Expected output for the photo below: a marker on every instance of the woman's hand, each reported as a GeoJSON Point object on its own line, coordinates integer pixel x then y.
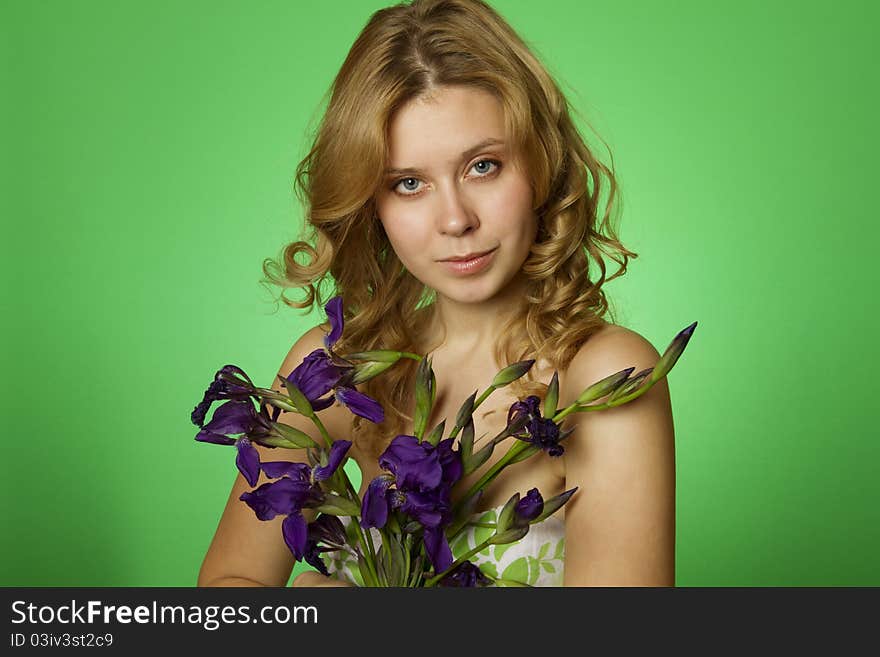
{"type": "Point", "coordinates": [314, 578]}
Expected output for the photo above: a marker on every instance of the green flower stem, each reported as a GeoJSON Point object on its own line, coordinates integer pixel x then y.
{"type": "Point", "coordinates": [479, 400]}
{"type": "Point", "coordinates": [574, 408]}
{"type": "Point", "coordinates": [407, 354]}
{"type": "Point", "coordinates": [492, 472]}
{"type": "Point", "coordinates": [366, 537]}
{"type": "Point", "coordinates": [459, 561]}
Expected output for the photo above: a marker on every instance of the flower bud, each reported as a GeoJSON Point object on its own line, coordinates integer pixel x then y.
{"type": "Point", "coordinates": [506, 516]}
{"type": "Point", "coordinates": [631, 384]}
{"type": "Point", "coordinates": [601, 388]}
{"type": "Point", "coordinates": [424, 396]}
{"type": "Point", "coordinates": [551, 399]}
{"type": "Point", "coordinates": [552, 505]}
{"type": "Point", "coordinates": [511, 373]}
{"type": "Point", "coordinates": [673, 351]}
{"type": "Point", "coordinates": [379, 355]}
{"type": "Point", "coordinates": [367, 370]}
{"type": "Point", "coordinates": [466, 411]}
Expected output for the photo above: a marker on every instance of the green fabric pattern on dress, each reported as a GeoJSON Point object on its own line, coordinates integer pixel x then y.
{"type": "Point", "coordinates": [535, 560]}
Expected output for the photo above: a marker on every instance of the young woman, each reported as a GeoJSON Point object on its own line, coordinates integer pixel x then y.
{"type": "Point", "coordinates": [456, 208]}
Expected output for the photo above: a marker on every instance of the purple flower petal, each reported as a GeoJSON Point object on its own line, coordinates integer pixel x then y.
{"type": "Point", "coordinates": [281, 497]}
{"type": "Point", "coordinates": [415, 465]}
{"type": "Point", "coordinates": [222, 389]}
{"type": "Point", "coordinates": [316, 375]}
{"type": "Point", "coordinates": [295, 530]}
{"type": "Point", "coordinates": [360, 404]}
{"type": "Point", "coordinates": [235, 416]}
{"type": "Point", "coordinates": [297, 471]}
{"type": "Point", "coordinates": [337, 321]}
{"type": "Point", "coordinates": [248, 460]}
{"type": "Point", "coordinates": [374, 508]}
{"type": "Point", "coordinates": [328, 529]}
{"type": "Point", "coordinates": [530, 406]}
{"type": "Point", "coordinates": [216, 438]}
{"type": "Point", "coordinates": [337, 453]}
{"type": "Point", "coordinates": [312, 557]}
{"type": "Point", "coordinates": [530, 506]}
{"type": "Point", "coordinates": [428, 508]}
{"type": "Point", "coordinates": [450, 461]}
{"type": "Point", "coordinates": [438, 549]}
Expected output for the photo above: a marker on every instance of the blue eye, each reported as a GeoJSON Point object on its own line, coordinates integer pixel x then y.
{"type": "Point", "coordinates": [411, 186]}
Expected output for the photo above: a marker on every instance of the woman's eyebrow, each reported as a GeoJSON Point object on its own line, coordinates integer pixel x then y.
{"type": "Point", "coordinates": [473, 150]}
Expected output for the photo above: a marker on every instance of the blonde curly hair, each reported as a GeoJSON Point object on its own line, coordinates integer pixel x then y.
{"type": "Point", "coordinates": [403, 53]}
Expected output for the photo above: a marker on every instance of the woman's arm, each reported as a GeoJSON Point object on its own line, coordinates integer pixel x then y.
{"type": "Point", "coordinates": [620, 525]}
{"type": "Point", "coordinates": [246, 551]}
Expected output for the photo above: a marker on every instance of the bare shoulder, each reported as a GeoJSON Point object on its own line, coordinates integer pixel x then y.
{"type": "Point", "coordinates": [622, 460]}
{"type": "Point", "coordinates": [611, 349]}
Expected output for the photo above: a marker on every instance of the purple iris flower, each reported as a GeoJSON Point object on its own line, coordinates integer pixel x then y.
{"type": "Point", "coordinates": [296, 489]}
{"type": "Point", "coordinates": [466, 574]}
{"type": "Point", "coordinates": [322, 371]}
{"type": "Point", "coordinates": [238, 417]}
{"type": "Point", "coordinates": [417, 482]}
{"type": "Point", "coordinates": [540, 432]}
{"type": "Point", "coordinates": [223, 388]}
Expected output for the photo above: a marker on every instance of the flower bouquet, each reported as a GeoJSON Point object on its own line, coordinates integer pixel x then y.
{"type": "Point", "coordinates": [399, 534]}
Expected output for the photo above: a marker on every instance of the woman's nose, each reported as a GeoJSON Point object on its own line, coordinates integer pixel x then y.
{"type": "Point", "coordinates": [455, 213]}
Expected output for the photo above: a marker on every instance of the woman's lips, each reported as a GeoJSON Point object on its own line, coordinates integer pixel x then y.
{"type": "Point", "coordinates": [472, 266]}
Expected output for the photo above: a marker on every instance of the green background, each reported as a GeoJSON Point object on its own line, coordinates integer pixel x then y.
{"type": "Point", "coordinates": [149, 153]}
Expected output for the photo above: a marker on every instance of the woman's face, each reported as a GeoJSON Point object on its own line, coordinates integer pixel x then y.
{"type": "Point", "coordinates": [453, 188]}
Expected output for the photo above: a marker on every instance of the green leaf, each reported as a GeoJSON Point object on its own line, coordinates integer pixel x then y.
{"type": "Point", "coordinates": [509, 582]}
{"type": "Point", "coordinates": [488, 568]}
{"type": "Point", "coordinates": [526, 452]}
{"type": "Point", "coordinates": [302, 404]}
{"type": "Point", "coordinates": [436, 434]}
{"type": "Point", "coordinates": [466, 442]}
{"type": "Point", "coordinates": [283, 403]}
{"type": "Point", "coordinates": [466, 411]}
{"type": "Point", "coordinates": [552, 397]}
{"type": "Point", "coordinates": [474, 461]}
{"type": "Point", "coordinates": [501, 549]}
{"type": "Point", "coordinates": [424, 379]}
{"type": "Point", "coordinates": [549, 567]}
{"type": "Point", "coordinates": [292, 434]}
{"type": "Point", "coordinates": [505, 517]}
{"type": "Point", "coordinates": [543, 551]}
{"type": "Point", "coordinates": [534, 570]}
{"type": "Point", "coordinates": [482, 533]}
{"type": "Point", "coordinates": [466, 509]}
{"type": "Point", "coordinates": [338, 506]}
{"type": "Point", "coordinates": [517, 571]}
{"type": "Point", "coordinates": [510, 535]}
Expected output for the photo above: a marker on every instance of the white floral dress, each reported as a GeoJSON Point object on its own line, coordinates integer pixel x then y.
{"type": "Point", "coordinates": [537, 559]}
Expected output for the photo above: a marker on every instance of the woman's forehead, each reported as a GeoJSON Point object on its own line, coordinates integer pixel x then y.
{"type": "Point", "coordinates": [445, 125]}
